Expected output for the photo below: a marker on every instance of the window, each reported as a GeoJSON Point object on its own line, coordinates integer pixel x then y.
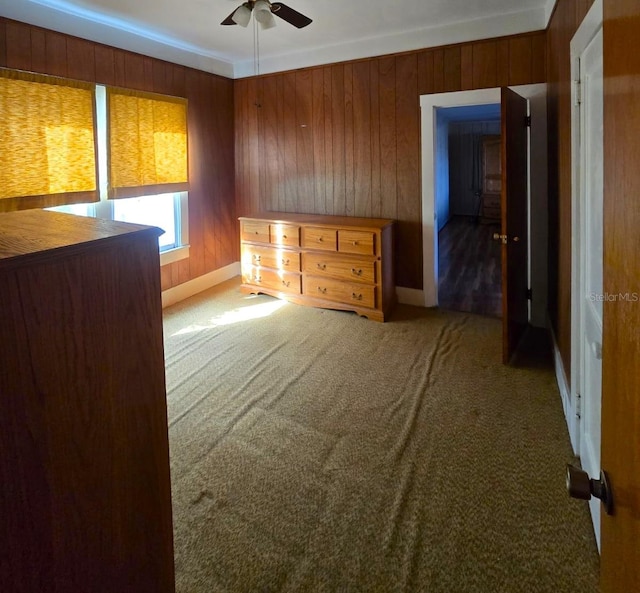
{"type": "Point", "coordinates": [161, 211]}
{"type": "Point", "coordinates": [166, 209]}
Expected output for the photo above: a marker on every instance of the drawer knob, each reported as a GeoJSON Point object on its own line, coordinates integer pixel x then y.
{"type": "Point", "coordinates": [354, 242]}
{"type": "Point", "coordinates": [357, 297]}
{"type": "Point", "coordinates": [284, 236]}
{"type": "Point", "coordinates": [322, 266]}
{"type": "Point", "coordinates": [285, 262]}
{"type": "Point", "coordinates": [356, 272]}
{"type": "Point", "coordinates": [256, 257]}
{"type": "Point", "coordinates": [322, 290]}
{"type": "Point", "coordinates": [258, 278]}
{"type": "Point", "coordinates": [320, 239]}
{"type": "Point", "coordinates": [286, 283]}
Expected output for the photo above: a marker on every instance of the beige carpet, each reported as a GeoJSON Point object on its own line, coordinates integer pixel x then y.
{"type": "Point", "coordinates": [315, 450]}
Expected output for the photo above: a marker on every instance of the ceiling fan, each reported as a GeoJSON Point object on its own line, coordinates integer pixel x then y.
{"type": "Point", "coordinates": [263, 12]}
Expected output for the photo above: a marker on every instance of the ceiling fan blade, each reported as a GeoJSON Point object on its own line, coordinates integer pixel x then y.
{"type": "Point", "coordinates": [294, 17]}
{"type": "Point", "coordinates": [229, 20]}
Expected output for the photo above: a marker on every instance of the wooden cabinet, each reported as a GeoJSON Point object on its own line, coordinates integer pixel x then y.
{"type": "Point", "coordinates": [491, 178]}
{"type": "Point", "coordinates": [336, 262]}
{"type": "Point", "coordinates": [85, 494]}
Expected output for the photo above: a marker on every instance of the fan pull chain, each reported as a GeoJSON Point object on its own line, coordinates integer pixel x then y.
{"type": "Point", "coordinates": [256, 59]}
{"type": "Point", "coordinates": [256, 48]}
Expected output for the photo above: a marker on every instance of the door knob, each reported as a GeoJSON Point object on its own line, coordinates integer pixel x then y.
{"type": "Point", "coordinates": [501, 238]}
{"type": "Point", "coordinates": [504, 238]}
{"type": "Point", "coordinates": [579, 485]}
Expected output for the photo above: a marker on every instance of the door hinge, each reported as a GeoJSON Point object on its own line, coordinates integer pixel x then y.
{"type": "Point", "coordinates": [577, 92]}
{"type": "Point", "coordinates": [529, 294]}
{"type": "Point", "coordinates": [527, 121]}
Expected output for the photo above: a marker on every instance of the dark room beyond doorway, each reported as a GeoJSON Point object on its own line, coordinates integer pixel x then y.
{"type": "Point", "coordinates": [469, 182]}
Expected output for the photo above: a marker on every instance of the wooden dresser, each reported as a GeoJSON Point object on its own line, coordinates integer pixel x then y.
{"type": "Point", "coordinates": [85, 498]}
{"type": "Point", "coordinates": [334, 262]}
{"type": "Point", "coordinates": [491, 178]}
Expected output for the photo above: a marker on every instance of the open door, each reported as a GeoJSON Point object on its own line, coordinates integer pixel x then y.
{"type": "Point", "coordinates": [618, 485]}
{"type": "Point", "coordinates": [620, 562]}
{"type": "Point", "coordinates": [587, 254]}
{"type": "Point", "coordinates": [514, 221]}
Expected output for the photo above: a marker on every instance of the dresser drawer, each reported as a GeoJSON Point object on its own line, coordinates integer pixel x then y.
{"type": "Point", "coordinates": [285, 234]}
{"type": "Point", "coordinates": [343, 268]}
{"type": "Point", "coordinates": [319, 238]}
{"type": "Point", "coordinates": [491, 212]}
{"type": "Point", "coordinates": [270, 257]}
{"type": "Point", "coordinates": [255, 231]}
{"type": "Point", "coordinates": [361, 295]}
{"type": "Point", "coordinates": [288, 282]}
{"type": "Point", "coordinates": [362, 242]}
{"type": "Point", "coordinates": [491, 200]}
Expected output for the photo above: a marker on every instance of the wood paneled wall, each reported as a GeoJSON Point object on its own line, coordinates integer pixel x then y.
{"type": "Point", "coordinates": [345, 138]}
{"type": "Point", "coordinates": [213, 233]}
{"type": "Point", "coordinates": [564, 23]}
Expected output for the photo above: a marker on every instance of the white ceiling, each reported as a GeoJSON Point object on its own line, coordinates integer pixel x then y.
{"type": "Point", "coordinates": [188, 31]}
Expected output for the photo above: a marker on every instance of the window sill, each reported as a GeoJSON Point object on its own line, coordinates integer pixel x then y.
{"type": "Point", "coordinates": [173, 255]}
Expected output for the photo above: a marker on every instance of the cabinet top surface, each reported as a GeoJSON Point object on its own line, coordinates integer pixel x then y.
{"type": "Point", "coordinates": [32, 232]}
{"type": "Point", "coordinates": [320, 219]}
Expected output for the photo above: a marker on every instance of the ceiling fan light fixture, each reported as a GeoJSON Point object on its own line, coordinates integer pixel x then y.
{"type": "Point", "coordinates": [267, 22]}
{"type": "Point", "coordinates": [262, 11]}
{"type": "Point", "coordinates": [242, 15]}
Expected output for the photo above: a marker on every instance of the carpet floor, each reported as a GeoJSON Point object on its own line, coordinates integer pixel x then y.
{"type": "Point", "coordinates": [314, 450]}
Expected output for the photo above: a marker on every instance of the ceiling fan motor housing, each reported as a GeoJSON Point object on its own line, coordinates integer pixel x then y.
{"type": "Point", "coordinates": [263, 11]}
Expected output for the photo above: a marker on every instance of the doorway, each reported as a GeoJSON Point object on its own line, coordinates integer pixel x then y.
{"type": "Point", "coordinates": [468, 185]}
{"type": "Point", "coordinates": [537, 207]}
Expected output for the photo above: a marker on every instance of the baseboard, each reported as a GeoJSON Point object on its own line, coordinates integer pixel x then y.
{"type": "Point", "coordinates": [565, 393]}
{"type": "Point", "coordinates": [410, 296]}
{"type": "Point", "coordinates": [183, 291]}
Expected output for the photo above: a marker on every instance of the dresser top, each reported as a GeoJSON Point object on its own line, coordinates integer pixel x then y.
{"type": "Point", "coordinates": [321, 219]}
{"type": "Point", "coordinates": [30, 234]}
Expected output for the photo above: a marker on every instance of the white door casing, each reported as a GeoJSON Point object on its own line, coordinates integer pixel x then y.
{"type": "Point", "coordinates": [536, 94]}
{"type": "Point", "coordinates": [429, 104]}
{"type": "Point", "coordinates": [587, 246]}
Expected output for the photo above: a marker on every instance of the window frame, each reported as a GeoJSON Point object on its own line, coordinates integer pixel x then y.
{"type": "Point", "coordinates": [104, 208]}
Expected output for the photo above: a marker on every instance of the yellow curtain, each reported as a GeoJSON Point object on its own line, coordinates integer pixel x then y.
{"type": "Point", "coordinates": [47, 141]}
{"type": "Point", "coordinates": [147, 140]}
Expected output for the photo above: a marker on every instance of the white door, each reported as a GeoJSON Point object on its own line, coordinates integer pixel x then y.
{"type": "Point", "coordinates": [591, 296]}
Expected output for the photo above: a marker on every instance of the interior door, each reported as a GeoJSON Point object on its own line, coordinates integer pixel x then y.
{"type": "Point", "coordinates": [514, 221]}
{"type": "Point", "coordinates": [590, 287]}
{"type": "Point", "coordinates": [620, 561]}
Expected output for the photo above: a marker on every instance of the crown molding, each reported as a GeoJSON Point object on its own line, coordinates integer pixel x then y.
{"type": "Point", "coordinates": [63, 17]}
{"type": "Point", "coordinates": [548, 11]}
{"type": "Point", "coordinates": [473, 30]}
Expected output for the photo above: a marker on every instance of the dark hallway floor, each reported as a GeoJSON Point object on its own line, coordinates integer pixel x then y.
{"type": "Point", "coordinates": [469, 267]}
